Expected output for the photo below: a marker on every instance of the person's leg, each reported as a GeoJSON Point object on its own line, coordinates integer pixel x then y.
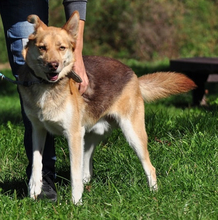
{"type": "Point", "coordinates": [14, 14]}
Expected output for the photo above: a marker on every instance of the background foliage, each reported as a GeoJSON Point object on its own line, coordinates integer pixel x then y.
{"type": "Point", "coordinates": [145, 30]}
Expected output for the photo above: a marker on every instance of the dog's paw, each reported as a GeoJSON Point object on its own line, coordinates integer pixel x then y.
{"type": "Point", "coordinates": [77, 194]}
{"type": "Point", "coordinates": [77, 199]}
{"type": "Point", "coordinates": [87, 178]}
{"type": "Point", "coordinates": [154, 188]}
{"type": "Point", "coordinates": [35, 188]}
{"type": "Point", "coordinates": [78, 203]}
{"type": "Point", "coordinates": [152, 182]}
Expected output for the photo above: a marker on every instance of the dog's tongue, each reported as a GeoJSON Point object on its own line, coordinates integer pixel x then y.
{"type": "Point", "coordinates": [52, 77]}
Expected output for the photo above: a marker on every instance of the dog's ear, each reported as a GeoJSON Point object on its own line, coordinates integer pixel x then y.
{"type": "Point", "coordinates": [38, 25]}
{"type": "Point", "coordinates": [72, 25]}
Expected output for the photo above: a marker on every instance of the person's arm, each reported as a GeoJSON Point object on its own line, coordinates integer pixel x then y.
{"type": "Point", "coordinates": [70, 6]}
{"type": "Point", "coordinates": [79, 67]}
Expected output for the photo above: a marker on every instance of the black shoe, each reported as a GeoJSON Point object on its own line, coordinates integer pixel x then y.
{"type": "Point", "coordinates": [48, 189]}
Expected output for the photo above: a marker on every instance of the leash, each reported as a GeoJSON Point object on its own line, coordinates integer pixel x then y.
{"type": "Point", "coordinates": [24, 83]}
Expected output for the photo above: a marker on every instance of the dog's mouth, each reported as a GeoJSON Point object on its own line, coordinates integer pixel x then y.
{"type": "Point", "coordinates": [53, 77]}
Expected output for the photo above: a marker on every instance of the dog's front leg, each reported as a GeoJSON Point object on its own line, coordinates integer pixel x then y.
{"type": "Point", "coordinates": [75, 143]}
{"type": "Point", "coordinates": [38, 139]}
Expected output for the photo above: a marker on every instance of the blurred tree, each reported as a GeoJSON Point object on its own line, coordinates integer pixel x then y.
{"type": "Point", "coordinates": [144, 30]}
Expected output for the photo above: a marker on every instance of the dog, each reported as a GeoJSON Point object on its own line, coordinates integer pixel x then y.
{"type": "Point", "coordinates": [115, 97]}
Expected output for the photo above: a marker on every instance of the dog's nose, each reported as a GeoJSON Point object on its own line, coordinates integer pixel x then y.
{"type": "Point", "coordinates": [53, 66]}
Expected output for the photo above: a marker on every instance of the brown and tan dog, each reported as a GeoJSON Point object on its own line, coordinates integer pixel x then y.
{"type": "Point", "coordinates": [114, 97]}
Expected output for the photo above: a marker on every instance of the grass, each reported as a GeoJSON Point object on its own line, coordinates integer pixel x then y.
{"type": "Point", "coordinates": [183, 146]}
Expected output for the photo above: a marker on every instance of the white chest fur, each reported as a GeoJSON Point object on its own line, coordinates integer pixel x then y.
{"type": "Point", "coordinates": [51, 109]}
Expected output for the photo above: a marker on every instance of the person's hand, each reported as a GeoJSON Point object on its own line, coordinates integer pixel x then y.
{"type": "Point", "coordinates": [79, 69]}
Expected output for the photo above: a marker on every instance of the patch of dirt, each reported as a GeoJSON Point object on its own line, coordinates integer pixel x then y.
{"type": "Point", "coordinates": [4, 66]}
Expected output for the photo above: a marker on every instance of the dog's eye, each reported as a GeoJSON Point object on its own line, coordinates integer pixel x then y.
{"type": "Point", "coordinates": [42, 48]}
{"type": "Point", "coordinates": [62, 48]}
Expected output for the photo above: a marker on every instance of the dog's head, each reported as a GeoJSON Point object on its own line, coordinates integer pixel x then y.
{"type": "Point", "coordinates": [49, 52]}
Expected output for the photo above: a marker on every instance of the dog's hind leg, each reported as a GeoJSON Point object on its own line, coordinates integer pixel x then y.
{"type": "Point", "coordinates": [38, 138]}
{"type": "Point", "coordinates": [92, 139]}
{"type": "Point", "coordinates": [90, 144]}
{"type": "Point", "coordinates": [137, 139]}
{"type": "Point", "coordinates": [133, 128]}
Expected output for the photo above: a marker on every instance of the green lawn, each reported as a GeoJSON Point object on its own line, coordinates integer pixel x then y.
{"type": "Point", "coordinates": [183, 146]}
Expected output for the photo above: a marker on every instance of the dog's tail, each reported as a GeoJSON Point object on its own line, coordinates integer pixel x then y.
{"type": "Point", "coordinates": [163, 84]}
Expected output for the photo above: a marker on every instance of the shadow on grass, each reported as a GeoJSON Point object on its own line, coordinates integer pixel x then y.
{"type": "Point", "coordinates": [9, 188]}
{"type": "Point", "coordinates": [18, 186]}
